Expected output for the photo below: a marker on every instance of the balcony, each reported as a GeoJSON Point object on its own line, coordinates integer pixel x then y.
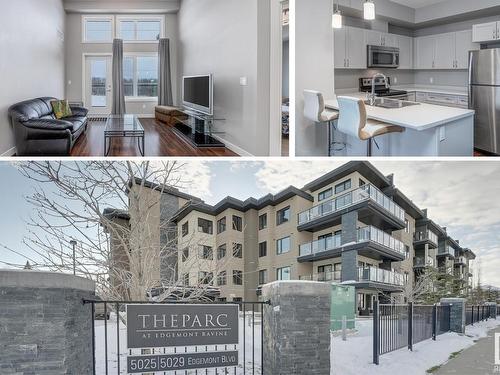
{"type": "Point", "coordinates": [422, 262]}
{"type": "Point", "coordinates": [426, 237]}
{"type": "Point", "coordinates": [319, 246]}
{"type": "Point", "coordinates": [366, 193]}
{"type": "Point", "coordinates": [331, 276]}
{"type": "Point", "coordinates": [446, 251]}
{"type": "Point", "coordinates": [376, 235]}
{"type": "Point", "coordinates": [460, 261]}
{"type": "Point", "coordinates": [377, 275]}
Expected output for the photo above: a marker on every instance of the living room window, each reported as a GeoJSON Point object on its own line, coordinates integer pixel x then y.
{"type": "Point", "coordinates": [98, 29]}
{"type": "Point", "coordinates": [140, 76]}
{"type": "Point", "coordinates": [140, 29]}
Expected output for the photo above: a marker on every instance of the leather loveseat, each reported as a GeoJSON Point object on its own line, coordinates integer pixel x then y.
{"type": "Point", "coordinates": [37, 132]}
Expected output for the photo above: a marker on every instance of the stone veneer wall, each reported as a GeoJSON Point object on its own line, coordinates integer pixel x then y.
{"type": "Point", "coordinates": [297, 328]}
{"type": "Point", "coordinates": [44, 326]}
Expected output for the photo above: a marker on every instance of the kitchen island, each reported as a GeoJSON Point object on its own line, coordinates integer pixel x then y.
{"type": "Point", "coordinates": [430, 130]}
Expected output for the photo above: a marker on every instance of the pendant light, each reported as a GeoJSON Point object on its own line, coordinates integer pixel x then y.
{"type": "Point", "coordinates": [369, 10]}
{"type": "Point", "coordinates": [337, 18]}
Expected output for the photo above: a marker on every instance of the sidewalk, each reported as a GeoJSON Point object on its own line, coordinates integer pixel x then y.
{"type": "Point", "coordinates": [476, 360]}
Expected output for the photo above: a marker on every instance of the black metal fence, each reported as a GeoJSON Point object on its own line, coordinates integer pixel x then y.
{"type": "Point", "coordinates": [399, 326]}
{"type": "Point", "coordinates": [475, 314]}
{"type": "Point", "coordinates": [110, 352]}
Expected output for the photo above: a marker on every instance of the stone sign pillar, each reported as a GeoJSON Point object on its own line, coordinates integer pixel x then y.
{"type": "Point", "coordinates": [297, 328]}
{"type": "Point", "coordinates": [457, 313]}
{"type": "Point", "coordinates": [44, 326]}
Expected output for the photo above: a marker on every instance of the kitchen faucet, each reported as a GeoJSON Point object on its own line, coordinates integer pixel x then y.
{"type": "Point", "coordinates": [374, 78]}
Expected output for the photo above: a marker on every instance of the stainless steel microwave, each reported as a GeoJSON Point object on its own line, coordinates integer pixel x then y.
{"type": "Point", "coordinates": [383, 57]}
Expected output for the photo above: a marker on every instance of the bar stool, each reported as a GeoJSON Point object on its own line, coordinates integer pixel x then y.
{"type": "Point", "coordinates": [353, 121]}
{"type": "Point", "coordinates": [315, 110]}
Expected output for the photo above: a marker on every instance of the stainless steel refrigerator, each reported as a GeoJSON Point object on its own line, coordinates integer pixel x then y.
{"type": "Point", "coordinates": [484, 98]}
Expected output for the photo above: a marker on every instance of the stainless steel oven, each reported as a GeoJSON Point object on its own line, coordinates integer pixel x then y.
{"type": "Point", "coordinates": [383, 57]}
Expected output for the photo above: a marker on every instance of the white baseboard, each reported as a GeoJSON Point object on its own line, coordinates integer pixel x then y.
{"type": "Point", "coordinates": [233, 147]}
{"type": "Point", "coordinates": [9, 152]}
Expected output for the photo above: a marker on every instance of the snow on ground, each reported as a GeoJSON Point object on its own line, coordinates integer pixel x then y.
{"type": "Point", "coordinates": [355, 356]}
{"type": "Point", "coordinates": [113, 360]}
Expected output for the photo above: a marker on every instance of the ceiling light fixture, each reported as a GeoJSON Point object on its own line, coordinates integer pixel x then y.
{"type": "Point", "coordinates": [337, 17]}
{"type": "Point", "coordinates": [369, 10]}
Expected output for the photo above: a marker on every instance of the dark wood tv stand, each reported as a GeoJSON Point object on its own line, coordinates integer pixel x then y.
{"type": "Point", "coordinates": [197, 128]}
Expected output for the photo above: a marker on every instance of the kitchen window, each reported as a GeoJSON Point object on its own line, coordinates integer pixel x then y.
{"type": "Point", "coordinates": [98, 29]}
{"type": "Point", "coordinates": [283, 215]}
{"type": "Point", "coordinates": [283, 273]}
{"type": "Point", "coordinates": [283, 245]}
{"type": "Point", "coordinates": [205, 226]}
{"type": "Point", "coordinates": [262, 277]}
{"type": "Point", "coordinates": [221, 252]}
{"type": "Point", "coordinates": [238, 250]}
{"type": "Point", "coordinates": [237, 223]}
{"type": "Point", "coordinates": [221, 225]}
{"type": "Point", "coordinates": [237, 277]}
{"type": "Point", "coordinates": [262, 249]}
{"type": "Point", "coordinates": [325, 195]}
{"type": "Point", "coordinates": [143, 29]}
{"type": "Point", "coordinates": [140, 76]}
{"type": "Point", "coordinates": [343, 186]}
{"type": "Point", "coordinates": [262, 221]}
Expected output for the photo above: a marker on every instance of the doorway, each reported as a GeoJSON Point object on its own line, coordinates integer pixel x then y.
{"type": "Point", "coordinates": [97, 85]}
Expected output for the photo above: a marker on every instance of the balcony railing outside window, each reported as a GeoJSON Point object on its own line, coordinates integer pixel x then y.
{"type": "Point", "coordinates": [380, 276]}
{"type": "Point", "coordinates": [319, 246]}
{"type": "Point", "coordinates": [370, 233]}
{"type": "Point", "coordinates": [427, 235]}
{"type": "Point", "coordinates": [366, 192]}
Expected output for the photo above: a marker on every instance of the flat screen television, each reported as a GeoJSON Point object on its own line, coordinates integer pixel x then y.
{"type": "Point", "coordinates": [198, 93]}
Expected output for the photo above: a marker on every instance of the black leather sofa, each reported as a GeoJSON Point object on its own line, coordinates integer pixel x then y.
{"type": "Point", "coordinates": [37, 131]}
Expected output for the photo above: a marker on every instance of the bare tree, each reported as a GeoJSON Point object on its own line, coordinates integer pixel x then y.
{"type": "Point", "coordinates": [113, 214]}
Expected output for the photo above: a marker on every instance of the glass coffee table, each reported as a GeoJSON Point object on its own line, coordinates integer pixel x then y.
{"type": "Point", "coordinates": [123, 126]}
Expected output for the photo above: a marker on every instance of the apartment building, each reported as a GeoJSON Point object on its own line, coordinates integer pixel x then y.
{"type": "Point", "coordinates": [351, 225]}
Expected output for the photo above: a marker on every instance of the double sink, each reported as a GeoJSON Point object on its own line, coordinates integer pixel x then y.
{"type": "Point", "coordinates": [390, 103]}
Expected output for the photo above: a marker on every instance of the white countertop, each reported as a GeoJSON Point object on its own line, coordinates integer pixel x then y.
{"type": "Point", "coordinates": [418, 117]}
{"type": "Point", "coordinates": [447, 90]}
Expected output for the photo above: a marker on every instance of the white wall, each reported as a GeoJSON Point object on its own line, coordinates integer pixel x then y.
{"type": "Point", "coordinates": [313, 70]}
{"type": "Point", "coordinates": [229, 38]}
{"type": "Point", "coordinates": [32, 56]}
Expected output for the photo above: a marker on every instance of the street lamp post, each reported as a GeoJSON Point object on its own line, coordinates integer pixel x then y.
{"type": "Point", "coordinates": [73, 243]}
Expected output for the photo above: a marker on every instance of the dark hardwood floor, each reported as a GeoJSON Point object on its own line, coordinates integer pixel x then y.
{"type": "Point", "coordinates": [161, 140]}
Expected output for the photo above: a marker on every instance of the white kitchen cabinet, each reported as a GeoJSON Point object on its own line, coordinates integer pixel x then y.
{"type": "Point", "coordinates": [444, 51]}
{"type": "Point", "coordinates": [405, 52]}
{"type": "Point", "coordinates": [377, 38]}
{"type": "Point", "coordinates": [349, 48]}
{"type": "Point", "coordinates": [461, 101]}
{"type": "Point", "coordinates": [463, 45]}
{"type": "Point", "coordinates": [486, 32]}
{"type": "Point", "coordinates": [390, 40]}
{"type": "Point", "coordinates": [424, 52]}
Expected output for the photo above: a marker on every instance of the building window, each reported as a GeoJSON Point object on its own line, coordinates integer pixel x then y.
{"type": "Point", "coordinates": [206, 252]}
{"type": "Point", "coordinates": [406, 277]}
{"type": "Point", "coordinates": [205, 226]}
{"type": "Point", "coordinates": [262, 249]}
{"type": "Point", "coordinates": [325, 272]}
{"type": "Point", "coordinates": [262, 221]}
{"type": "Point", "coordinates": [283, 273]}
{"type": "Point", "coordinates": [222, 278]}
{"type": "Point", "coordinates": [237, 299]}
{"type": "Point", "coordinates": [185, 229]}
{"type": "Point", "coordinates": [325, 194]}
{"type": "Point", "coordinates": [407, 252]}
{"type": "Point", "coordinates": [283, 216]}
{"type": "Point", "coordinates": [407, 226]}
{"type": "Point", "coordinates": [343, 186]}
{"type": "Point", "coordinates": [205, 278]}
{"type": "Point", "coordinates": [283, 245]}
{"type": "Point", "coordinates": [221, 252]}
{"type": "Point", "coordinates": [237, 277]}
{"type": "Point", "coordinates": [262, 277]}
{"type": "Point", "coordinates": [361, 182]}
{"type": "Point", "coordinates": [185, 254]}
{"type": "Point", "coordinates": [140, 29]}
{"type": "Point", "coordinates": [140, 76]}
{"type": "Point", "coordinates": [221, 225]}
{"type": "Point", "coordinates": [98, 29]}
{"type": "Point", "coordinates": [337, 272]}
{"type": "Point", "coordinates": [238, 250]}
{"type": "Point", "coordinates": [185, 279]}
{"type": "Point", "coordinates": [221, 299]}
{"type": "Point", "coordinates": [237, 223]}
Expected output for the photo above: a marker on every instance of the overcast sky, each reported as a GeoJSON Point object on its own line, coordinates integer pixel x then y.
{"type": "Point", "coordinates": [460, 195]}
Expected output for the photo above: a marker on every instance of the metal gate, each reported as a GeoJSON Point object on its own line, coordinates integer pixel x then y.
{"type": "Point", "coordinates": [109, 340]}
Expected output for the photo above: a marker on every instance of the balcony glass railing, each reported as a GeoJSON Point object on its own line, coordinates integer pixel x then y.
{"type": "Point", "coordinates": [325, 244]}
{"type": "Point", "coordinates": [331, 276]}
{"type": "Point", "coordinates": [380, 276]}
{"type": "Point", "coordinates": [366, 192]}
{"type": "Point", "coordinates": [423, 262]}
{"type": "Point", "coordinates": [427, 235]}
{"type": "Point", "coordinates": [370, 233]}
{"type": "Point", "coordinates": [461, 260]}
{"type": "Point", "coordinates": [447, 250]}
